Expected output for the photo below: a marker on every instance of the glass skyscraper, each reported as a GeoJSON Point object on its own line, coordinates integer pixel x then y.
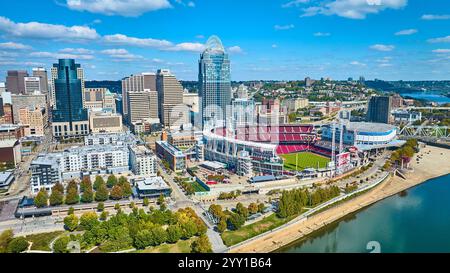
{"type": "Point", "coordinates": [214, 83]}
{"type": "Point", "coordinates": [69, 118]}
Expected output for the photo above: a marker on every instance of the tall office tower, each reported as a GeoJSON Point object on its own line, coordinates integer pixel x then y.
{"type": "Point", "coordinates": [51, 93]}
{"type": "Point", "coordinates": [137, 83]}
{"type": "Point", "coordinates": [69, 117]}
{"type": "Point", "coordinates": [379, 109]}
{"type": "Point", "coordinates": [214, 82]}
{"type": "Point", "coordinates": [32, 84]}
{"type": "Point", "coordinates": [42, 74]}
{"type": "Point", "coordinates": [142, 105]}
{"type": "Point", "coordinates": [170, 95]}
{"type": "Point", "coordinates": [15, 81]}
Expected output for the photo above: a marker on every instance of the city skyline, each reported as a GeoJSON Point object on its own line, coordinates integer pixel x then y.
{"type": "Point", "coordinates": [333, 38]}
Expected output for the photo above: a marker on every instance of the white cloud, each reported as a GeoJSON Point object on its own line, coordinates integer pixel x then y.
{"type": "Point", "coordinates": [190, 47]}
{"type": "Point", "coordinates": [284, 27]}
{"type": "Point", "coordinates": [76, 50]}
{"type": "Point", "coordinates": [357, 63]}
{"type": "Point", "coordinates": [128, 8]}
{"type": "Point", "coordinates": [121, 39]}
{"type": "Point", "coordinates": [235, 49]}
{"type": "Point", "coordinates": [191, 4]}
{"type": "Point", "coordinates": [46, 31]}
{"type": "Point", "coordinates": [353, 9]}
{"type": "Point", "coordinates": [51, 55]}
{"type": "Point", "coordinates": [406, 32]}
{"type": "Point", "coordinates": [442, 50]}
{"type": "Point", "coordinates": [435, 17]}
{"type": "Point", "coordinates": [294, 3]}
{"type": "Point", "coordinates": [12, 45]}
{"type": "Point", "coordinates": [274, 46]}
{"type": "Point", "coordinates": [200, 36]}
{"type": "Point", "coordinates": [120, 53]}
{"type": "Point", "coordinates": [440, 40]}
{"type": "Point", "coordinates": [322, 34]}
{"type": "Point", "coordinates": [380, 47]}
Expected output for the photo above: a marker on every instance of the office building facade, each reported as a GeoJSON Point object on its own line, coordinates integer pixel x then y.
{"type": "Point", "coordinates": [170, 99]}
{"type": "Point", "coordinates": [214, 82]}
{"type": "Point", "coordinates": [379, 109]}
{"type": "Point", "coordinates": [69, 118]}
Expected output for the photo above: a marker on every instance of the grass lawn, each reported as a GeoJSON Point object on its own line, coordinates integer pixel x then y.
{"type": "Point", "coordinates": [42, 241]}
{"type": "Point", "coordinates": [198, 187]}
{"type": "Point", "coordinates": [270, 222]}
{"type": "Point", "coordinates": [305, 160]}
{"type": "Point", "coordinates": [182, 246]}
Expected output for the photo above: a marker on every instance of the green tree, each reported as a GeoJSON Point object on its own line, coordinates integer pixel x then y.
{"type": "Point", "coordinates": [261, 207]}
{"type": "Point", "coordinates": [122, 180]}
{"type": "Point", "coordinates": [112, 181]}
{"type": "Point", "coordinates": [72, 185]}
{"type": "Point", "coordinates": [41, 199]}
{"type": "Point", "coordinates": [104, 215]}
{"type": "Point", "coordinates": [102, 193]}
{"type": "Point", "coordinates": [117, 206]}
{"type": "Point", "coordinates": [5, 237]}
{"type": "Point", "coordinates": [60, 245]}
{"type": "Point", "coordinates": [100, 206]}
{"type": "Point", "coordinates": [126, 188]}
{"type": "Point", "coordinates": [85, 183]}
{"type": "Point", "coordinates": [98, 181]}
{"type": "Point", "coordinates": [88, 195]}
{"type": "Point", "coordinates": [71, 222]}
{"type": "Point", "coordinates": [201, 245]}
{"type": "Point", "coordinates": [241, 210]}
{"type": "Point", "coordinates": [189, 229]}
{"type": "Point", "coordinates": [222, 225]}
{"type": "Point", "coordinates": [58, 187]}
{"type": "Point", "coordinates": [236, 221]}
{"type": "Point", "coordinates": [253, 208]}
{"type": "Point", "coordinates": [72, 196]}
{"type": "Point", "coordinates": [88, 220]}
{"type": "Point", "coordinates": [116, 193]}
{"type": "Point", "coordinates": [174, 233]}
{"type": "Point", "coordinates": [145, 202]}
{"type": "Point", "coordinates": [17, 245]}
{"type": "Point", "coordinates": [57, 196]}
{"type": "Point", "coordinates": [159, 235]}
{"type": "Point", "coordinates": [71, 211]}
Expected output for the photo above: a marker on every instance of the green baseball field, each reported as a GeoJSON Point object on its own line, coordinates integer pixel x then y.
{"type": "Point", "coordinates": [305, 160]}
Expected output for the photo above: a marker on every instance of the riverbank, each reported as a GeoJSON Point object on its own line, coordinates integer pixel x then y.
{"type": "Point", "coordinates": [433, 163]}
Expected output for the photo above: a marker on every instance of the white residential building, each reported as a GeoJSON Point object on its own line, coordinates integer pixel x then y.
{"type": "Point", "coordinates": [143, 161]}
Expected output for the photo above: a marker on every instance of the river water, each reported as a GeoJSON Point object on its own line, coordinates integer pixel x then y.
{"type": "Point", "coordinates": [417, 220]}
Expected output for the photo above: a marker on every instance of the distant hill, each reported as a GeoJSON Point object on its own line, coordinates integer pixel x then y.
{"type": "Point", "coordinates": [113, 86]}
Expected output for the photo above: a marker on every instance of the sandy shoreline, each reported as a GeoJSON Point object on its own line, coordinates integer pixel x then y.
{"type": "Point", "coordinates": [433, 164]}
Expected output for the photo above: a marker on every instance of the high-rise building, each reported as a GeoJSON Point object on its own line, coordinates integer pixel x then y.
{"type": "Point", "coordinates": [2, 87]}
{"type": "Point", "coordinates": [15, 81]}
{"type": "Point", "coordinates": [32, 84]}
{"type": "Point", "coordinates": [137, 83]}
{"type": "Point", "coordinates": [214, 82]}
{"type": "Point", "coordinates": [32, 101]}
{"type": "Point", "coordinates": [42, 74]}
{"type": "Point", "coordinates": [379, 109]}
{"type": "Point", "coordinates": [142, 105]}
{"type": "Point", "coordinates": [69, 117]}
{"type": "Point", "coordinates": [170, 95]}
{"type": "Point", "coordinates": [99, 98]}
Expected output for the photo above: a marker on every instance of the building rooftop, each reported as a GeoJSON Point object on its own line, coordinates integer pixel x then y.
{"type": "Point", "coordinates": [4, 176]}
{"type": "Point", "coordinates": [214, 165]}
{"type": "Point", "coordinates": [8, 143]}
{"type": "Point", "coordinates": [151, 183]}
{"type": "Point", "coordinates": [369, 127]}
{"type": "Point", "coordinates": [172, 149]}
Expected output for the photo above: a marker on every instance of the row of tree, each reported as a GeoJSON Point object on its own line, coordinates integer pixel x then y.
{"type": "Point", "coordinates": [137, 229]}
{"type": "Point", "coordinates": [403, 154]}
{"type": "Point", "coordinates": [229, 195]}
{"type": "Point", "coordinates": [292, 202]}
{"type": "Point", "coordinates": [234, 220]}
{"type": "Point", "coordinates": [114, 189]}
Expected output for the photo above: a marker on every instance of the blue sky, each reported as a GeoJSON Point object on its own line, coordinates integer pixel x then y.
{"type": "Point", "coordinates": [266, 39]}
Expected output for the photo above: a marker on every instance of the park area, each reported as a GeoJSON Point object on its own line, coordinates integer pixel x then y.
{"type": "Point", "coordinates": [305, 160]}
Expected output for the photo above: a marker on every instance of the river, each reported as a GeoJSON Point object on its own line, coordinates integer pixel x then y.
{"type": "Point", "coordinates": [417, 220]}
